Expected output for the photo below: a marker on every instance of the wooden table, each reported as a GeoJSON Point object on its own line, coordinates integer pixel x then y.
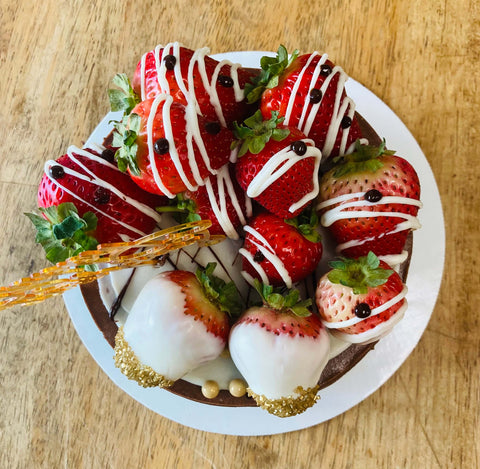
{"type": "Point", "coordinates": [57, 408]}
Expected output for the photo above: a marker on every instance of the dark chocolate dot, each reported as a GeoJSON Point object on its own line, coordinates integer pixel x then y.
{"type": "Point", "coordinates": [362, 310]}
{"type": "Point", "coordinates": [325, 70]}
{"type": "Point", "coordinates": [101, 195]}
{"type": "Point", "coordinates": [373, 195]}
{"type": "Point", "coordinates": [258, 257]}
{"type": "Point", "coordinates": [213, 128]}
{"type": "Point", "coordinates": [315, 95]}
{"type": "Point", "coordinates": [57, 171]}
{"type": "Point", "coordinates": [161, 146]}
{"type": "Point", "coordinates": [225, 81]}
{"type": "Point", "coordinates": [346, 122]}
{"type": "Point", "coordinates": [299, 147]}
{"type": "Point", "coordinates": [170, 61]}
{"type": "Point", "coordinates": [108, 155]}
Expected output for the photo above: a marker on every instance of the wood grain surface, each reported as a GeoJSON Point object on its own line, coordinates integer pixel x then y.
{"type": "Point", "coordinates": [57, 408]}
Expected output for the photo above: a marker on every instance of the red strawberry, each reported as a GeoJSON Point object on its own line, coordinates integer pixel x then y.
{"type": "Point", "coordinates": [221, 200]}
{"type": "Point", "coordinates": [119, 208]}
{"type": "Point", "coordinates": [167, 148]}
{"type": "Point", "coordinates": [167, 335]}
{"type": "Point", "coordinates": [370, 200]}
{"type": "Point", "coordinates": [361, 300]}
{"type": "Point", "coordinates": [309, 91]}
{"type": "Point", "coordinates": [280, 252]}
{"type": "Point", "coordinates": [277, 166]}
{"type": "Point", "coordinates": [280, 348]}
{"type": "Point", "coordinates": [187, 75]}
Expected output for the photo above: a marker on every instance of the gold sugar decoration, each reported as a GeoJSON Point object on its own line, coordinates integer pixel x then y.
{"type": "Point", "coordinates": [57, 279]}
{"type": "Point", "coordinates": [132, 368]}
{"type": "Point", "coordinates": [288, 406]}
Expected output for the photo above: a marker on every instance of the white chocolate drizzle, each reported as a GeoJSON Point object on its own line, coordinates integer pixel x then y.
{"type": "Point", "coordinates": [278, 165]}
{"type": "Point", "coordinates": [93, 178]}
{"type": "Point", "coordinates": [344, 202]}
{"type": "Point", "coordinates": [266, 249]}
{"type": "Point", "coordinates": [198, 58]}
{"type": "Point", "coordinates": [341, 108]}
{"type": "Point", "coordinates": [193, 137]}
{"type": "Point", "coordinates": [218, 202]}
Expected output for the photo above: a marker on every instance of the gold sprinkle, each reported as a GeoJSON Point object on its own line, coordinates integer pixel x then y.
{"type": "Point", "coordinates": [210, 389]}
{"type": "Point", "coordinates": [237, 387]}
{"type": "Point", "coordinates": [288, 406]}
{"type": "Point", "coordinates": [132, 368]}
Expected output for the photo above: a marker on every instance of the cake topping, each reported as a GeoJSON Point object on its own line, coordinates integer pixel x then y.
{"type": "Point", "coordinates": [325, 70]}
{"type": "Point", "coordinates": [346, 122]}
{"type": "Point", "coordinates": [362, 310]}
{"type": "Point", "coordinates": [315, 95]}
{"type": "Point", "coordinates": [161, 146]}
{"type": "Point", "coordinates": [170, 61]}
{"type": "Point", "coordinates": [299, 147]}
{"type": "Point", "coordinates": [373, 195]}
{"type": "Point", "coordinates": [210, 389]}
{"type": "Point", "coordinates": [237, 387]}
{"type": "Point", "coordinates": [57, 171]}
{"type": "Point", "coordinates": [225, 81]}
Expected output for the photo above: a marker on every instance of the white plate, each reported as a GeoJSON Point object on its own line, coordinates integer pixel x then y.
{"type": "Point", "coordinates": [423, 281]}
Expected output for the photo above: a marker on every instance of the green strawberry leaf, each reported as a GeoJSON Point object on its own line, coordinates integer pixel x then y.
{"type": "Point", "coordinates": [62, 232]}
{"type": "Point", "coordinates": [307, 223]}
{"type": "Point", "coordinates": [359, 274]}
{"type": "Point", "coordinates": [224, 295]}
{"type": "Point", "coordinates": [272, 68]}
{"type": "Point", "coordinates": [125, 138]}
{"type": "Point", "coordinates": [122, 96]}
{"type": "Point", "coordinates": [255, 132]}
{"type": "Point", "coordinates": [287, 301]}
{"type": "Point", "coordinates": [365, 159]}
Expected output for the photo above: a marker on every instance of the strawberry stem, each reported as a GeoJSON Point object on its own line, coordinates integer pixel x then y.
{"type": "Point", "coordinates": [272, 68]}
{"type": "Point", "coordinates": [255, 132]}
{"type": "Point", "coordinates": [224, 295]}
{"type": "Point", "coordinates": [359, 274]}
{"type": "Point", "coordinates": [289, 301]}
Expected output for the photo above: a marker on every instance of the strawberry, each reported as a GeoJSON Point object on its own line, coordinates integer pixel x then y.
{"type": "Point", "coordinates": [360, 300]}
{"type": "Point", "coordinates": [167, 148]}
{"type": "Point", "coordinates": [309, 91]}
{"type": "Point", "coordinates": [280, 348]}
{"type": "Point", "coordinates": [369, 201]}
{"type": "Point", "coordinates": [215, 87]}
{"type": "Point", "coordinates": [281, 252]}
{"type": "Point", "coordinates": [221, 200]}
{"type": "Point", "coordinates": [178, 322]}
{"type": "Point", "coordinates": [81, 196]}
{"type": "Point", "coordinates": [277, 166]}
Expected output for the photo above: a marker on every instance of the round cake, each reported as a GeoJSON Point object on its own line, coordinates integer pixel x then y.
{"type": "Point", "coordinates": [311, 216]}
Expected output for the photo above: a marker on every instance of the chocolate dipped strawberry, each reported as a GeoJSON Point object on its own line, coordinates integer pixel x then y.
{"type": "Point", "coordinates": [309, 91]}
{"type": "Point", "coordinates": [215, 88]}
{"type": "Point", "coordinates": [280, 348]}
{"type": "Point", "coordinates": [178, 322]}
{"type": "Point", "coordinates": [360, 300]}
{"type": "Point", "coordinates": [369, 201]}
{"type": "Point", "coordinates": [281, 252]}
{"type": "Point", "coordinates": [86, 200]}
{"type": "Point", "coordinates": [167, 148]}
{"type": "Point", "coordinates": [277, 166]}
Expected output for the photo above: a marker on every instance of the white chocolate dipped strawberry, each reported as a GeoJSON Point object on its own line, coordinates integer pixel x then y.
{"type": "Point", "coordinates": [281, 349]}
{"type": "Point", "coordinates": [178, 322]}
{"type": "Point", "coordinates": [360, 300]}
